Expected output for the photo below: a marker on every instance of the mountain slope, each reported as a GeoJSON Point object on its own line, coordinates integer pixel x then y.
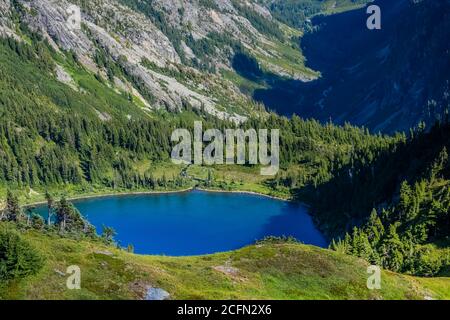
{"type": "Point", "coordinates": [386, 80]}
{"type": "Point", "coordinates": [171, 54]}
{"type": "Point", "coordinates": [166, 54]}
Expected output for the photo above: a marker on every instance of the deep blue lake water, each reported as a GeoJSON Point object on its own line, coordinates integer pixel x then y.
{"type": "Point", "coordinates": [197, 222]}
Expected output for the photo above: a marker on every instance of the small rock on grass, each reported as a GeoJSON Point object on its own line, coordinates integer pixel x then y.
{"type": "Point", "coordinates": [156, 294]}
{"type": "Point", "coordinates": [62, 274]}
{"type": "Point", "coordinates": [105, 253]}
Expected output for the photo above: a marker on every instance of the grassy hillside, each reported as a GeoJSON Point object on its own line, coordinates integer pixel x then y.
{"type": "Point", "coordinates": [264, 271]}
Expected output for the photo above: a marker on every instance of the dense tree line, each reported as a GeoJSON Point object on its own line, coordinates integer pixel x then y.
{"type": "Point", "coordinates": [399, 238]}
{"type": "Point", "coordinates": [371, 180]}
{"type": "Point", "coordinates": [72, 149]}
{"type": "Point", "coordinates": [409, 188]}
{"type": "Point", "coordinates": [312, 153]}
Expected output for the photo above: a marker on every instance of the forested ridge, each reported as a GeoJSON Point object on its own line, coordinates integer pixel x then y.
{"type": "Point", "coordinates": [394, 210]}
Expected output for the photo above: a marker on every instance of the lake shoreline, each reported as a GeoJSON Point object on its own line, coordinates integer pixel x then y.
{"type": "Point", "coordinates": [245, 192]}
{"type": "Point", "coordinates": [114, 194]}
{"type": "Point", "coordinates": [131, 193]}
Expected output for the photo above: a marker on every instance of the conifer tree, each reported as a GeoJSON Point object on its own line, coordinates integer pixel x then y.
{"type": "Point", "coordinates": [13, 211]}
{"type": "Point", "coordinates": [50, 202]}
{"type": "Point", "coordinates": [375, 228]}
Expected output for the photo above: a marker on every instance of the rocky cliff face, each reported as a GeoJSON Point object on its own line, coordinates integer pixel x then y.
{"type": "Point", "coordinates": [5, 19]}
{"type": "Point", "coordinates": [130, 32]}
